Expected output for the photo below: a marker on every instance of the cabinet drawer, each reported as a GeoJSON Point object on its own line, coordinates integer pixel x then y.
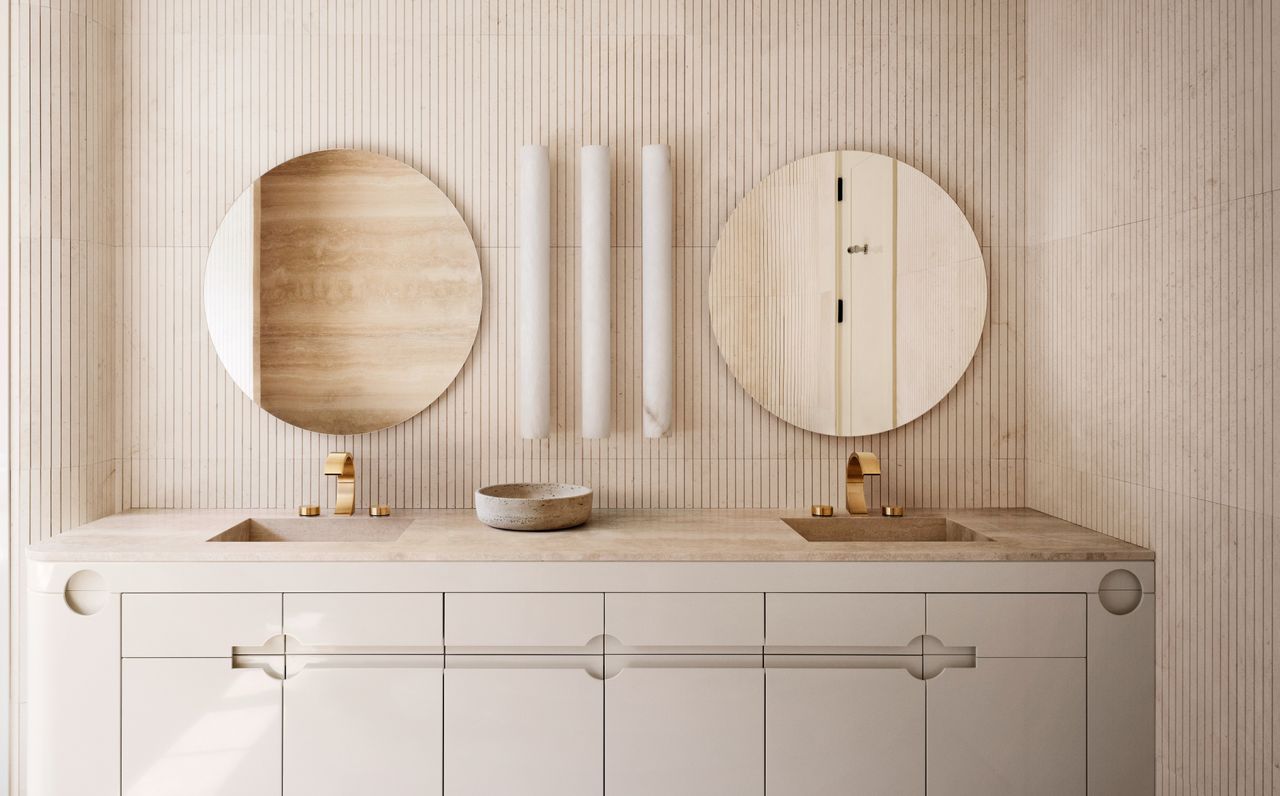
{"type": "Point", "coordinates": [843, 623]}
{"type": "Point", "coordinates": [656, 623]}
{"type": "Point", "coordinates": [523, 623]}
{"type": "Point", "coordinates": [1010, 625]}
{"type": "Point", "coordinates": [199, 625]}
{"type": "Point", "coordinates": [364, 623]}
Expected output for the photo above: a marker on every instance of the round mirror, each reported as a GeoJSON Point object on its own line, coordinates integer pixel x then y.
{"type": "Point", "coordinates": [848, 293]}
{"type": "Point", "coordinates": [343, 291]}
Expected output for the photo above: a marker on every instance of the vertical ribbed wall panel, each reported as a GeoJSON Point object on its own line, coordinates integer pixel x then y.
{"type": "Point", "coordinates": [214, 93]}
{"type": "Point", "coordinates": [1153, 344]}
{"type": "Point", "coordinates": [64, 346]}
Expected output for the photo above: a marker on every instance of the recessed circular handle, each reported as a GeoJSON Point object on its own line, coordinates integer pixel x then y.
{"type": "Point", "coordinates": [1120, 592]}
{"type": "Point", "coordinates": [86, 592]}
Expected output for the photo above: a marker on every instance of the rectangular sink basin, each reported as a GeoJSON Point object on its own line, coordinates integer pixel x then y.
{"type": "Point", "coordinates": [881, 529]}
{"type": "Point", "coordinates": [316, 529]}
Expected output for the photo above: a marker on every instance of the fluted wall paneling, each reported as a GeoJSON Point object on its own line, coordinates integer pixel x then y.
{"type": "Point", "coordinates": [215, 93]}
{"type": "Point", "coordinates": [1153, 344]}
{"type": "Point", "coordinates": [64, 231]}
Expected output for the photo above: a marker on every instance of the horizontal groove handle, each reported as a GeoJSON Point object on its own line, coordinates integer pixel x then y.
{"type": "Point", "coordinates": [935, 665]}
{"type": "Point", "coordinates": [297, 664]}
{"type": "Point", "coordinates": [617, 664]}
{"type": "Point", "coordinates": [591, 664]}
{"type": "Point", "coordinates": [591, 646]}
{"type": "Point", "coordinates": [274, 645]}
{"type": "Point", "coordinates": [363, 649]}
{"type": "Point", "coordinates": [268, 664]}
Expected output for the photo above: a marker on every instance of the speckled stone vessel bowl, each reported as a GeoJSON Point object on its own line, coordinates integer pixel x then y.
{"type": "Point", "coordinates": [533, 507]}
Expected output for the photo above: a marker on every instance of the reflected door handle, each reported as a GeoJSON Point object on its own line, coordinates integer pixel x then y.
{"type": "Point", "coordinates": [839, 310]}
{"type": "Point", "coordinates": [863, 249]}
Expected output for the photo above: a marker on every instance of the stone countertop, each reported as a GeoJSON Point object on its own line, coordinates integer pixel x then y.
{"type": "Point", "coordinates": [611, 535]}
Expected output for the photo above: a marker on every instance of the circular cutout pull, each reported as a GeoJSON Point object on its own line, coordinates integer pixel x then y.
{"type": "Point", "coordinates": [1120, 592]}
{"type": "Point", "coordinates": [85, 592]}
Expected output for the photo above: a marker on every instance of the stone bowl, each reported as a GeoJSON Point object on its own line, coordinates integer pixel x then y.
{"type": "Point", "coordinates": [533, 507]}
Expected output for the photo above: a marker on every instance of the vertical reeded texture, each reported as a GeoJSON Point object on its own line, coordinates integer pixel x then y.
{"type": "Point", "coordinates": [64, 263]}
{"type": "Point", "coordinates": [533, 349]}
{"type": "Point", "coordinates": [595, 296]}
{"type": "Point", "coordinates": [1154, 343]}
{"type": "Point", "coordinates": [207, 95]}
{"type": "Point", "coordinates": [656, 281]}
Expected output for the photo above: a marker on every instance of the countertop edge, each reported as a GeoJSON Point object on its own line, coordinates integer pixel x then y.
{"type": "Point", "coordinates": [658, 536]}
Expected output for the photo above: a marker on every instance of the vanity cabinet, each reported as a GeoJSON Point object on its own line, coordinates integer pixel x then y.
{"type": "Point", "coordinates": [581, 693]}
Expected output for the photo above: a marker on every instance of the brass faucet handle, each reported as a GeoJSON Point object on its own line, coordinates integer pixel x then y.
{"type": "Point", "coordinates": [340, 464]}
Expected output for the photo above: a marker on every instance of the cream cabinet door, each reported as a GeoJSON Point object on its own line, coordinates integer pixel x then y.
{"type": "Point", "coordinates": [529, 725]}
{"type": "Point", "coordinates": [841, 725]}
{"type": "Point", "coordinates": [363, 724]}
{"type": "Point", "coordinates": [689, 724]}
{"type": "Point", "coordinates": [1008, 725]}
{"type": "Point", "coordinates": [200, 726]}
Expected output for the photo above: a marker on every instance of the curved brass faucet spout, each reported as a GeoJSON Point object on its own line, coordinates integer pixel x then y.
{"type": "Point", "coordinates": [343, 466]}
{"type": "Point", "coordinates": [861, 464]}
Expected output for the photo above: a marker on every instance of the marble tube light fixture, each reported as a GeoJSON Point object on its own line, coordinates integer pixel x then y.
{"type": "Point", "coordinates": [656, 315]}
{"type": "Point", "coordinates": [595, 279]}
{"type": "Point", "coordinates": [533, 294]}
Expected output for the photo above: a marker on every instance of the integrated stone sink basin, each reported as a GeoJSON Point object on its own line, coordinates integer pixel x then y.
{"type": "Point", "coordinates": [881, 529]}
{"type": "Point", "coordinates": [316, 529]}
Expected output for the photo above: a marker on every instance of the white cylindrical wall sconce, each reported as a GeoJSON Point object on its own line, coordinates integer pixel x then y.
{"type": "Point", "coordinates": [656, 288]}
{"type": "Point", "coordinates": [533, 294]}
{"type": "Point", "coordinates": [596, 335]}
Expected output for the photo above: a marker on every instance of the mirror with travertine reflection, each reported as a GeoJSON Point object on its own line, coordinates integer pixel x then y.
{"type": "Point", "coordinates": [848, 293]}
{"type": "Point", "coordinates": [343, 291]}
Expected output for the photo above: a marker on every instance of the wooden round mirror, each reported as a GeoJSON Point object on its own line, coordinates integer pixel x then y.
{"type": "Point", "coordinates": [848, 293]}
{"type": "Point", "coordinates": [343, 291]}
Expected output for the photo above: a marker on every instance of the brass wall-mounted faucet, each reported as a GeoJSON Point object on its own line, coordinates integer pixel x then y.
{"type": "Point", "coordinates": [343, 466]}
{"type": "Point", "coordinates": [861, 464]}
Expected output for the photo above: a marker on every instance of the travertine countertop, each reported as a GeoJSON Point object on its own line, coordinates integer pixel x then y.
{"type": "Point", "coordinates": [611, 535]}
